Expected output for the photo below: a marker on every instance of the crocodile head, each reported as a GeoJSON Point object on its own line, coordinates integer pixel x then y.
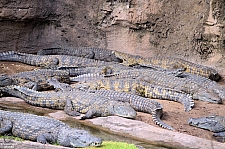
{"type": "Point", "coordinates": [213, 123]}
{"type": "Point", "coordinates": [5, 80]}
{"type": "Point", "coordinates": [72, 137]}
{"type": "Point", "coordinates": [207, 96]}
{"type": "Point", "coordinates": [122, 109]}
{"type": "Point", "coordinates": [127, 59]}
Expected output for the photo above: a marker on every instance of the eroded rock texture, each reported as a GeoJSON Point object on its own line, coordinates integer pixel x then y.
{"type": "Point", "coordinates": [193, 29]}
{"type": "Point", "coordinates": [28, 26]}
{"type": "Point", "coordinates": [158, 27]}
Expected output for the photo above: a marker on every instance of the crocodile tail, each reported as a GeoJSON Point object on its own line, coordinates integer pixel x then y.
{"type": "Point", "coordinates": [49, 51]}
{"type": "Point", "coordinates": [36, 98]}
{"type": "Point", "coordinates": [73, 70]}
{"type": "Point", "coordinates": [156, 115]}
{"type": "Point", "coordinates": [76, 71]}
{"type": "Point", "coordinates": [16, 56]}
{"type": "Point", "coordinates": [10, 90]}
{"type": "Point", "coordinates": [30, 59]}
{"type": "Point", "coordinates": [187, 101]}
{"type": "Point", "coordinates": [18, 91]}
{"type": "Point", "coordinates": [11, 56]}
{"type": "Point", "coordinates": [153, 91]}
{"type": "Point", "coordinates": [87, 77]}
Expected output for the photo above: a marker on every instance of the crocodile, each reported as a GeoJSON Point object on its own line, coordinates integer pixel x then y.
{"type": "Point", "coordinates": [35, 79]}
{"type": "Point", "coordinates": [108, 68]}
{"type": "Point", "coordinates": [169, 63]}
{"type": "Point", "coordinates": [123, 73]}
{"type": "Point", "coordinates": [86, 52]}
{"type": "Point", "coordinates": [138, 103]}
{"type": "Point", "coordinates": [205, 83]}
{"type": "Point", "coordinates": [214, 123]}
{"type": "Point", "coordinates": [73, 103]}
{"type": "Point", "coordinates": [50, 61]}
{"type": "Point", "coordinates": [164, 79]}
{"type": "Point", "coordinates": [87, 77]}
{"type": "Point", "coordinates": [138, 87]}
{"type": "Point", "coordinates": [45, 130]}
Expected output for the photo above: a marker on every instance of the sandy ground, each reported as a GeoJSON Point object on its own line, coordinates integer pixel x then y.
{"type": "Point", "coordinates": [174, 113]}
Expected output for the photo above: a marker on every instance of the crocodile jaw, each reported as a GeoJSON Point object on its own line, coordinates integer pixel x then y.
{"type": "Point", "coordinates": [72, 137]}
{"type": "Point", "coordinates": [207, 97]}
{"type": "Point", "coordinates": [85, 142]}
{"type": "Point", "coordinates": [209, 123]}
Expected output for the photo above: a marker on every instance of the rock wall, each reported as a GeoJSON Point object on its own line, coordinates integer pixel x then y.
{"type": "Point", "coordinates": [28, 25]}
{"type": "Point", "coordinates": [193, 29]}
{"type": "Point", "coordinates": [162, 27]}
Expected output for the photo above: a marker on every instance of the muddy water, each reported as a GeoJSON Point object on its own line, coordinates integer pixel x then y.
{"type": "Point", "coordinates": [105, 135]}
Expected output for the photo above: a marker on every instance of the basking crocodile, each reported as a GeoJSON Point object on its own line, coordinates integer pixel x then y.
{"type": "Point", "coordinates": [138, 87]}
{"type": "Point", "coordinates": [166, 80]}
{"type": "Point", "coordinates": [212, 123]}
{"type": "Point", "coordinates": [73, 102]}
{"type": "Point", "coordinates": [36, 78]}
{"type": "Point", "coordinates": [169, 63]}
{"type": "Point", "coordinates": [86, 52]}
{"type": "Point", "coordinates": [50, 61]}
{"type": "Point", "coordinates": [44, 129]}
{"type": "Point", "coordinates": [114, 71]}
{"type": "Point", "coordinates": [138, 103]}
{"type": "Point", "coordinates": [205, 83]}
{"type": "Point", "coordinates": [108, 68]}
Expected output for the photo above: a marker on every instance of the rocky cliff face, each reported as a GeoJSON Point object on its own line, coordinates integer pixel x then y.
{"type": "Point", "coordinates": [32, 25]}
{"type": "Point", "coordinates": [156, 27]}
{"type": "Point", "coordinates": [193, 29]}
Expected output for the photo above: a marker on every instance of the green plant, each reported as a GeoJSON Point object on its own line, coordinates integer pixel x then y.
{"type": "Point", "coordinates": [10, 138]}
{"type": "Point", "coordinates": [114, 145]}
{"type": "Point", "coordinates": [105, 144]}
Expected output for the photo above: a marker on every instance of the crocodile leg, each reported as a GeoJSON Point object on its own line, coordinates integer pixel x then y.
{"type": "Point", "coordinates": [69, 109]}
{"type": "Point", "coordinates": [90, 114]}
{"type": "Point", "coordinates": [58, 85]}
{"type": "Point", "coordinates": [31, 85]}
{"type": "Point", "coordinates": [45, 138]}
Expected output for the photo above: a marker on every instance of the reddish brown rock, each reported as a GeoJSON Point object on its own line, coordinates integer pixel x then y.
{"type": "Point", "coordinates": [193, 30]}
{"type": "Point", "coordinates": [150, 133]}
